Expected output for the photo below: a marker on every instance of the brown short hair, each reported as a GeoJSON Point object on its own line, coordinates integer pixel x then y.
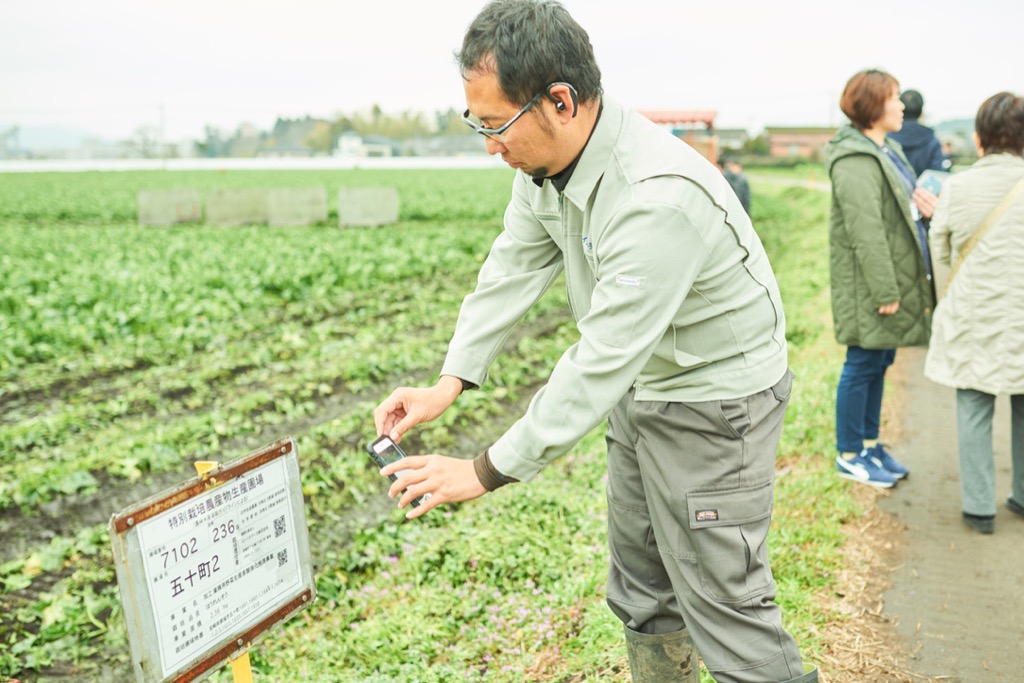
{"type": "Point", "coordinates": [1000, 124]}
{"type": "Point", "coordinates": [864, 97]}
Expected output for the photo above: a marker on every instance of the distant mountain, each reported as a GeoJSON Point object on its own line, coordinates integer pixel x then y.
{"type": "Point", "coordinates": [52, 137]}
{"type": "Point", "coordinates": [958, 127]}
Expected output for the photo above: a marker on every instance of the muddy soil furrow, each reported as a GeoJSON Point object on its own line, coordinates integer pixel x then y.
{"type": "Point", "coordinates": [103, 383]}
{"type": "Point", "coordinates": [329, 533]}
{"type": "Point", "coordinates": [22, 532]}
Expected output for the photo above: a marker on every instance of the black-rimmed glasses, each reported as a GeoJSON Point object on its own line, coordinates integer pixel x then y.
{"type": "Point", "coordinates": [496, 133]}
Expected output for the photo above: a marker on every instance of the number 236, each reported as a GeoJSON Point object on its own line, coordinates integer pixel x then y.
{"type": "Point", "coordinates": [223, 531]}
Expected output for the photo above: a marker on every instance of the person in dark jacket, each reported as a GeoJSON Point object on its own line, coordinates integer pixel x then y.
{"type": "Point", "coordinates": [882, 294]}
{"type": "Point", "coordinates": [923, 149]}
{"type": "Point", "coordinates": [733, 172]}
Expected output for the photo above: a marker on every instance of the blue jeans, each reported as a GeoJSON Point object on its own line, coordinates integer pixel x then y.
{"type": "Point", "coordinates": [859, 396]}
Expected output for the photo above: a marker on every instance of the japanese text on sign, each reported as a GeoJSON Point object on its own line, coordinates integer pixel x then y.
{"type": "Point", "coordinates": [226, 556]}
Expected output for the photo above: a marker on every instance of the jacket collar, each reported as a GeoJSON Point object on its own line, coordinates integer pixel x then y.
{"type": "Point", "coordinates": [561, 179]}
{"type": "Point", "coordinates": [998, 160]}
{"type": "Point", "coordinates": [595, 156]}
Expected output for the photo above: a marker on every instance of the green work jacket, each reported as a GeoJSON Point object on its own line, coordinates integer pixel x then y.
{"type": "Point", "coordinates": [669, 284]}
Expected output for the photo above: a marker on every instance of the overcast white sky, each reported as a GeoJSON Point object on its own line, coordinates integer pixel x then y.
{"type": "Point", "coordinates": [112, 66]}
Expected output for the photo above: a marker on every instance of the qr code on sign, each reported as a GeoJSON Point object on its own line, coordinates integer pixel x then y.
{"type": "Point", "coordinates": [278, 526]}
{"type": "Point", "coordinates": [282, 557]}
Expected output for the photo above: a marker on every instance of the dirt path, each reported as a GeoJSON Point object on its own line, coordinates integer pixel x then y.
{"type": "Point", "coordinates": [957, 597]}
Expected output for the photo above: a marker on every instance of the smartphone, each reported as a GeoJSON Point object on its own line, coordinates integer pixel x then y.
{"type": "Point", "coordinates": [384, 451]}
{"type": "Point", "coordinates": [932, 180]}
{"type": "Point", "coordinates": [932, 184]}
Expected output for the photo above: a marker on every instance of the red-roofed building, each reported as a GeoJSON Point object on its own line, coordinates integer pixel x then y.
{"type": "Point", "coordinates": [696, 127]}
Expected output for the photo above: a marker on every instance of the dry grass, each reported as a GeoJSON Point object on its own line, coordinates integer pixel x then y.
{"type": "Point", "coordinates": [862, 645]}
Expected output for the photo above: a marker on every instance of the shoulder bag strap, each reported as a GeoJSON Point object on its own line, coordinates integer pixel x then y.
{"type": "Point", "coordinates": [989, 221]}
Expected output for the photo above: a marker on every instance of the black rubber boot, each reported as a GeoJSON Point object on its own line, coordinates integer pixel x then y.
{"type": "Point", "coordinates": [662, 657]}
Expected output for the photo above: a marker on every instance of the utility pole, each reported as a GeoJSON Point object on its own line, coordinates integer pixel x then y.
{"type": "Point", "coordinates": [161, 142]}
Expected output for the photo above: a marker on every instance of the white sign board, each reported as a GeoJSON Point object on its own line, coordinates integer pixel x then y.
{"type": "Point", "coordinates": [207, 567]}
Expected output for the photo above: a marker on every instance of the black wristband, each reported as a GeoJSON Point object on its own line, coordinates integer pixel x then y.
{"type": "Point", "coordinates": [488, 474]}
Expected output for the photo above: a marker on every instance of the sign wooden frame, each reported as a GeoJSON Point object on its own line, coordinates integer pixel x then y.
{"type": "Point", "coordinates": [253, 506]}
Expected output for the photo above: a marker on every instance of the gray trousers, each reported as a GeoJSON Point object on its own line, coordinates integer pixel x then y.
{"type": "Point", "coordinates": [690, 494]}
{"type": "Point", "coordinates": [974, 411]}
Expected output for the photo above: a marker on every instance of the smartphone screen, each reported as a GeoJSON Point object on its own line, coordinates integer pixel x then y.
{"type": "Point", "coordinates": [384, 451]}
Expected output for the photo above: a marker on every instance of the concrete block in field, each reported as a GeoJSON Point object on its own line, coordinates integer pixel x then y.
{"type": "Point", "coordinates": [167, 207]}
{"type": "Point", "coordinates": [297, 206]}
{"type": "Point", "coordinates": [366, 206]}
{"type": "Point", "coordinates": [237, 207]}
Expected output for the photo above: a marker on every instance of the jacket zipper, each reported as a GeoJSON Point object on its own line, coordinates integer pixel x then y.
{"type": "Point", "coordinates": [566, 258]}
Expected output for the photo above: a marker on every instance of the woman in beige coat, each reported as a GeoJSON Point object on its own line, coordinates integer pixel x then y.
{"type": "Point", "coordinates": [977, 343]}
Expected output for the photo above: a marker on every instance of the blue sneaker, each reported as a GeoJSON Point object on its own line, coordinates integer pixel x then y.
{"type": "Point", "coordinates": [887, 462]}
{"type": "Point", "coordinates": [866, 470]}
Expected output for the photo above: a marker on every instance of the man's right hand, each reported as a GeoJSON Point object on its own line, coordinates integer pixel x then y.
{"type": "Point", "coordinates": [407, 407]}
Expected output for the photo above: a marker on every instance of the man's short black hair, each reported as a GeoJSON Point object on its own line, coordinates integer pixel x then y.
{"type": "Point", "coordinates": [913, 104]}
{"type": "Point", "coordinates": [530, 44]}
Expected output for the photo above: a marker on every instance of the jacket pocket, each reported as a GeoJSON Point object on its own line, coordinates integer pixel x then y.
{"type": "Point", "coordinates": [619, 299]}
{"type": "Point", "coordinates": [900, 323]}
{"type": "Point", "coordinates": [683, 357]}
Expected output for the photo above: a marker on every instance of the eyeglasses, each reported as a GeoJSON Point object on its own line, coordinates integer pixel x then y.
{"type": "Point", "coordinates": [497, 133]}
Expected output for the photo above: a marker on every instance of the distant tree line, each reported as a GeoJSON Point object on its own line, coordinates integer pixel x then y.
{"type": "Point", "coordinates": [320, 136]}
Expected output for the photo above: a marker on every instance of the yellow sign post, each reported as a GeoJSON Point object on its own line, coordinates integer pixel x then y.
{"type": "Point", "coordinates": [241, 668]}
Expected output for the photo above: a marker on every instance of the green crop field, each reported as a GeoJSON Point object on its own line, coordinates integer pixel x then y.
{"type": "Point", "coordinates": [127, 353]}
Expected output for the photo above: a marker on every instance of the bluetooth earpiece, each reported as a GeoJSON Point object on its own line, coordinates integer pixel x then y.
{"type": "Point", "coordinates": [560, 105]}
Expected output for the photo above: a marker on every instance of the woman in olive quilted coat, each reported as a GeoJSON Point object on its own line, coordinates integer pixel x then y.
{"type": "Point", "coordinates": [882, 294]}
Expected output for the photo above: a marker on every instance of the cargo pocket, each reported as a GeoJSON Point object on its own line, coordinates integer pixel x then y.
{"type": "Point", "coordinates": [729, 531]}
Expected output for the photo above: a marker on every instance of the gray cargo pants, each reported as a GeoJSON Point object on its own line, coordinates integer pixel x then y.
{"type": "Point", "coordinates": [689, 506]}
